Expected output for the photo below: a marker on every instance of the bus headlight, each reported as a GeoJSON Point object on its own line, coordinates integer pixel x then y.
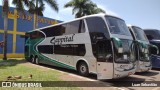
{"type": "Point", "coordinates": [143, 50]}
{"type": "Point", "coordinates": [120, 50]}
{"type": "Point", "coordinates": [146, 50]}
{"type": "Point", "coordinates": [120, 69]}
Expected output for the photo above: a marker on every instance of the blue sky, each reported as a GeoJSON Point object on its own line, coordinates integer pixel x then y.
{"type": "Point", "coordinates": [143, 13]}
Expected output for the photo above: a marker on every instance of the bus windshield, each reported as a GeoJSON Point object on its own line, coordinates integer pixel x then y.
{"type": "Point", "coordinates": [139, 34]}
{"type": "Point", "coordinates": [117, 26]}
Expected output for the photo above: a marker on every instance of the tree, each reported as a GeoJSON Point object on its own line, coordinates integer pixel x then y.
{"type": "Point", "coordinates": [5, 15]}
{"type": "Point", "coordinates": [36, 7]}
{"type": "Point", "coordinates": [83, 7]}
{"type": "Point", "coordinates": [19, 6]}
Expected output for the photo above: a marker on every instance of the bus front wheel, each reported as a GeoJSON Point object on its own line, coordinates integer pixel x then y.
{"type": "Point", "coordinates": [83, 69]}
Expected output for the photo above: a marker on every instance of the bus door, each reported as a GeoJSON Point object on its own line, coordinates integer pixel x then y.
{"type": "Point", "coordinates": [104, 59]}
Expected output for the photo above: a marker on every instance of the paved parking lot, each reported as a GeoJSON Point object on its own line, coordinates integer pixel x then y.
{"type": "Point", "coordinates": [153, 76]}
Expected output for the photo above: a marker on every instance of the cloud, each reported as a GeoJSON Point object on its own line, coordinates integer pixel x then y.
{"type": "Point", "coordinates": [108, 11]}
{"type": "Point", "coordinates": [64, 14]}
{"type": "Point", "coordinates": [10, 3]}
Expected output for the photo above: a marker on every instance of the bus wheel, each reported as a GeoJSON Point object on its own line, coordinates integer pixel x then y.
{"type": "Point", "coordinates": [83, 69]}
{"type": "Point", "coordinates": [32, 59]}
{"type": "Point", "coordinates": [36, 60]}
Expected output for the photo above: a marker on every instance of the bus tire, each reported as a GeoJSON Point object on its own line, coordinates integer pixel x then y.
{"type": "Point", "coordinates": [83, 69]}
{"type": "Point", "coordinates": [32, 59]}
{"type": "Point", "coordinates": [36, 60]}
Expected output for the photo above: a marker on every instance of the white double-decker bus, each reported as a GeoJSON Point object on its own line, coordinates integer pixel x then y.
{"type": "Point", "coordinates": [100, 44]}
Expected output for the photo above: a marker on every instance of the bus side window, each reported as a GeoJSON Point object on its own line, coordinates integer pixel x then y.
{"type": "Point", "coordinates": [104, 51]}
{"type": "Point", "coordinates": [81, 27]}
{"type": "Point", "coordinates": [75, 27]}
{"type": "Point", "coordinates": [63, 29]}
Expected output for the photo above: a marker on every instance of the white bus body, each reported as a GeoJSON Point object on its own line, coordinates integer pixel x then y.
{"type": "Point", "coordinates": [86, 45]}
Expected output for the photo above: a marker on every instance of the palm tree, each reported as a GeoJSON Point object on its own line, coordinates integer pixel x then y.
{"type": "Point", "coordinates": [36, 7]}
{"type": "Point", "coordinates": [19, 6]}
{"type": "Point", "coordinates": [5, 15]}
{"type": "Point", "coordinates": [83, 7]}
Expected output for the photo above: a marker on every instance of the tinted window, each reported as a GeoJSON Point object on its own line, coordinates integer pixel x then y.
{"type": "Point", "coordinates": [54, 31]}
{"type": "Point", "coordinates": [104, 51]}
{"type": "Point", "coordinates": [117, 26]}
{"type": "Point", "coordinates": [75, 27]}
{"type": "Point", "coordinates": [96, 24]}
{"type": "Point", "coordinates": [139, 33]}
{"type": "Point", "coordinates": [152, 33]}
{"type": "Point", "coordinates": [46, 49]}
{"type": "Point", "coordinates": [36, 34]}
{"type": "Point", "coordinates": [82, 27]}
{"type": "Point", "coordinates": [70, 49]}
{"type": "Point", "coordinates": [63, 49]}
{"type": "Point", "coordinates": [65, 29]}
{"type": "Point", "coordinates": [97, 29]}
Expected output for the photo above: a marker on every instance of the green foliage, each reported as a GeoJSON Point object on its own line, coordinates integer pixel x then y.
{"type": "Point", "coordinates": [38, 6]}
{"type": "Point", "coordinates": [20, 4]}
{"type": "Point", "coordinates": [83, 7]}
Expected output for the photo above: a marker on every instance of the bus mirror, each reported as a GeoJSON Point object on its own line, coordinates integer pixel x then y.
{"type": "Point", "coordinates": [154, 49]}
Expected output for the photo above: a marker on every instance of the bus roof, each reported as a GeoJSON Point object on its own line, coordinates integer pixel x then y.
{"type": "Point", "coordinates": [130, 25]}
{"type": "Point", "coordinates": [151, 29]}
{"type": "Point", "coordinates": [94, 15]}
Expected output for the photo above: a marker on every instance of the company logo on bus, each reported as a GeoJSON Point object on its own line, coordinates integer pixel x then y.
{"type": "Point", "coordinates": [59, 41]}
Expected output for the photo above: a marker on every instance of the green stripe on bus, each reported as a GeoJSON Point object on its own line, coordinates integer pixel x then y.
{"type": "Point", "coordinates": [52, 60]}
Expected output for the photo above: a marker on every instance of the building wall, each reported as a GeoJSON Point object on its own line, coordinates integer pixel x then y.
{"type": "Point", "coordinates": [18, 24]}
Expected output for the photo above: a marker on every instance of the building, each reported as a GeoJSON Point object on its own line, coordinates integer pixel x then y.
{"type": "Point", "coordinates": [18, 24]}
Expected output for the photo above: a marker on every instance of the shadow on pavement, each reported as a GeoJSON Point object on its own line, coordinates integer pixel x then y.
{"type": "Point", "coordinates": [149, 73]}
{"type": "Point", "coordinates": [91, 76]}
{"type": "Point", "coordinates": [157, 69]}
{"type": "Point", "coordinates": [122, 82]}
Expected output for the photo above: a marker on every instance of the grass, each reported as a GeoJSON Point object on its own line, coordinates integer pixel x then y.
{"type": "Point", "coordinates": [15, 67]}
